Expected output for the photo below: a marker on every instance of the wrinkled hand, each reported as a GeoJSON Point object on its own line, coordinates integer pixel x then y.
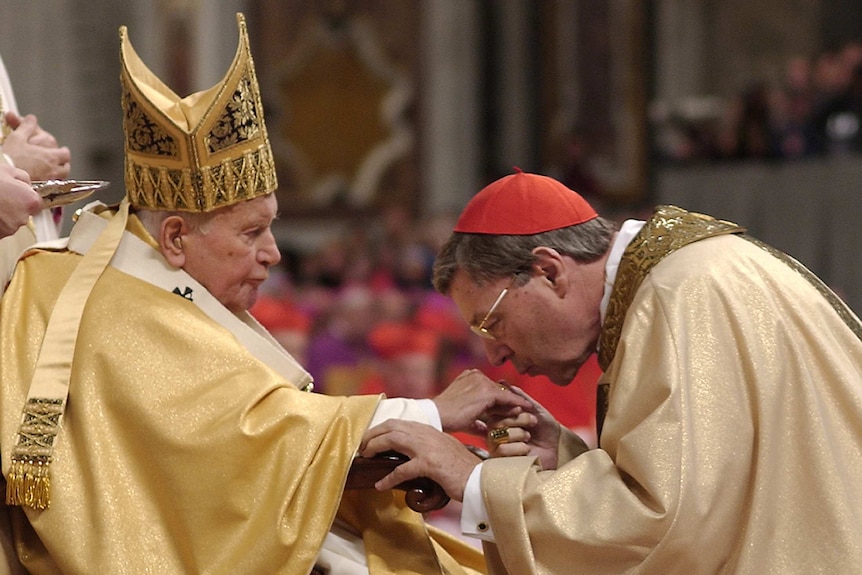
{"type": "Point", "coordinates": [432, 454]}
{"type": "Point", "coordinates": [472, 399]}
{"type": "Point", "coordinates": [18, 201]}
{"type": "Point", "coordinates": [35, 150]}
{"type": "Point", "coordinates": [534, 433]}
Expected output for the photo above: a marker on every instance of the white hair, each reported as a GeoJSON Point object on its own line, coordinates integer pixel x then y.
{"type": "Point", "coordinates": [152, 220]}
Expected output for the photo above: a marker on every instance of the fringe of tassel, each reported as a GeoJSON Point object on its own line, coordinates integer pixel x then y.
{"type": "Point", "coordinates": [28, 484]}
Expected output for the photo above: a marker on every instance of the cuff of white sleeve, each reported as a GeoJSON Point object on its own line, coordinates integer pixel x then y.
{"type": "Point", "coordinates": [421, 410]}
{"type": "Point", "coordinates": [474, 514]}
{"type": "Point", "coordinates": [430, 409]}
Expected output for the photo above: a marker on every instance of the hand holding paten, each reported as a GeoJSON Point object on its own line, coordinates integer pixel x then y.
{"type": "Point", "coordinates": [18, 201]}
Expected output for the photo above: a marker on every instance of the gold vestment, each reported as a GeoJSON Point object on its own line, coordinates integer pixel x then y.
{"type": "Point", "coordinates": [181, 452]}
{"type": "Point", "coordinates": [733, 439]}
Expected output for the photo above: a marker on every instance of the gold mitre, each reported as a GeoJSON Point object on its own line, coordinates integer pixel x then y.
{"type": "Point", "coordinates": [198, 153]}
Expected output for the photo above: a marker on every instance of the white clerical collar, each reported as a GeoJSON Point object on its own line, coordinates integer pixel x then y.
{"type": "Point", "coordinates": [137, 258]}
{"type": "Point", "coordinates": [628, 231]}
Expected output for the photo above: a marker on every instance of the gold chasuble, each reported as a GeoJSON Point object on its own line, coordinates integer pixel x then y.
{"type": "Point", "coordinates": [180, 451]}
{"type": "Point", "coordinates": [733, 438]}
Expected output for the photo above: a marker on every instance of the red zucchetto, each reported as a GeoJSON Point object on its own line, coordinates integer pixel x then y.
{"type": "Point", "coordinates": [524, 204]}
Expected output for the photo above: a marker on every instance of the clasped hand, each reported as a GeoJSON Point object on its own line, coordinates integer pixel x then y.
{"type": "Point", "coordinates": [34, 149]}
{"type": "Point", "coordinates": [534, 432]}
{"type": "Point", "coordinates": [472, 403]}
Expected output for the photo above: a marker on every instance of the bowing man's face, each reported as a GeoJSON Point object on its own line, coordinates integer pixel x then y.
{"type": "Point", "coordinates": [232, 251]}
{"type": "Point", "coordinates": [545, 321]}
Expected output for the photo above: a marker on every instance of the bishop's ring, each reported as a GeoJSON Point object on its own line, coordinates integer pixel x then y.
{"type": "Point", "coordinates": [499, 435]}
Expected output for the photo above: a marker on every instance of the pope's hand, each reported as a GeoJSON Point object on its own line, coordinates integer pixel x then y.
{"type": "Point", "coordinates": [432, 454]}
{"type": "Point", "coordinates": [472, 399]}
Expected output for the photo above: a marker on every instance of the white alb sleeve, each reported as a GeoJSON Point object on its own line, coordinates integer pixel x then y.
{"type": "Point", "coordinates": [419, 410]}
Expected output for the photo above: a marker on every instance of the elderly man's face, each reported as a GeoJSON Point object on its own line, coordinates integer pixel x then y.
{"type": "Point", "coordinates": [233, 251]}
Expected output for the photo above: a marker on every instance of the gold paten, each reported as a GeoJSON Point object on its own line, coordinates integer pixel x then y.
{"type": "Point", "coordinates": [56, 193]}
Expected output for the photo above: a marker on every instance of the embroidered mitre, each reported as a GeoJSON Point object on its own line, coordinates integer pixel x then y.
{"type": "Point", "coordinates": [198, 153]}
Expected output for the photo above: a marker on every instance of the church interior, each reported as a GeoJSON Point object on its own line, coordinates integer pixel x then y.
{"type": "Point", "coordinates": [386, 116]}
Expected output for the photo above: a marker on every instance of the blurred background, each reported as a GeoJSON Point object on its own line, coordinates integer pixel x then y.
{"type": "Point", "coordinates": [386, 116]}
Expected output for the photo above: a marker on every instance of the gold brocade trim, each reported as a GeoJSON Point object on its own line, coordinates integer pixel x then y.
{"type": "Point", "coordinates": [29, 482]}
{"type": "Point", "coordinates": [670, 229]}
{"type": "Point", "coordinates": [231, 181]}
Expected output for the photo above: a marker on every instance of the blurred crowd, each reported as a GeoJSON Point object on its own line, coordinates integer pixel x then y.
{"type": "Point", "coordinates": [814, 110]}
{"type": "Point", "coordinates": [361, 315]}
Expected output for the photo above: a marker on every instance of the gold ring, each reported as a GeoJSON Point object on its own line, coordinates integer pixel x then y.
{"type": "Point", "coordinates": [499, 435]}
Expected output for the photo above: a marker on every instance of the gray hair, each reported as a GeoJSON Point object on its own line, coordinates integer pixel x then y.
{"type": "Point", "coordinates": [152, 220]}
{"type": "Point", "coordinates": [486, 257]}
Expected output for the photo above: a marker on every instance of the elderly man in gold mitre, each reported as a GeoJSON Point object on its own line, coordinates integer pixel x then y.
{"type": "Point", "coordinates": [164, 430]}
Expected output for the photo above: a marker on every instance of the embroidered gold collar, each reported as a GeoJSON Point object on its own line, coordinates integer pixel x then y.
{"type": "Point", "coordinates": [668, 230]}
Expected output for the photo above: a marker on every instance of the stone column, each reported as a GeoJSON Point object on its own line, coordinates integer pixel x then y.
{"type": "Point", "coordinates": [515, 88]}
{"type": "Point", "coordinates": [450, 107]}
{"type": "Point", "coordinates": [212, 53]}
{"type": "Point", "coordinates": [679, 45]}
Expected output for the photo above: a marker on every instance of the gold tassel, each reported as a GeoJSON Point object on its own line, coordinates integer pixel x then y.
{"type": "Point", "coordinates": [29, 483]}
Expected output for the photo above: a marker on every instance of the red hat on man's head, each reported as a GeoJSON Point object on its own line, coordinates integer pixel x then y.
{"type": "Point", "coordinates": [523, 204]}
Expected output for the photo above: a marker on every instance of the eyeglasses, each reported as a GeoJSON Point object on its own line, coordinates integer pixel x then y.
{"type": "Point", "coordinates": [480, 329]}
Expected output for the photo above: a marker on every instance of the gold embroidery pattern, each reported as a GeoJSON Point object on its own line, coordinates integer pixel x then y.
{"type": "Point", "coordinates": [233, 180]}
{"type": "Point", "coordinates": [28, 481]}
{"type": "Point", "coordinates": [243, 178]}
{"type": "Point", "coordinates": [160, 188]}
{"type": "Point", "coordinates": [238, 123]}
{"type": "Point", "coordinates": [667, 231]}
{"type": "Point", "coordinates": [143, 134]}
